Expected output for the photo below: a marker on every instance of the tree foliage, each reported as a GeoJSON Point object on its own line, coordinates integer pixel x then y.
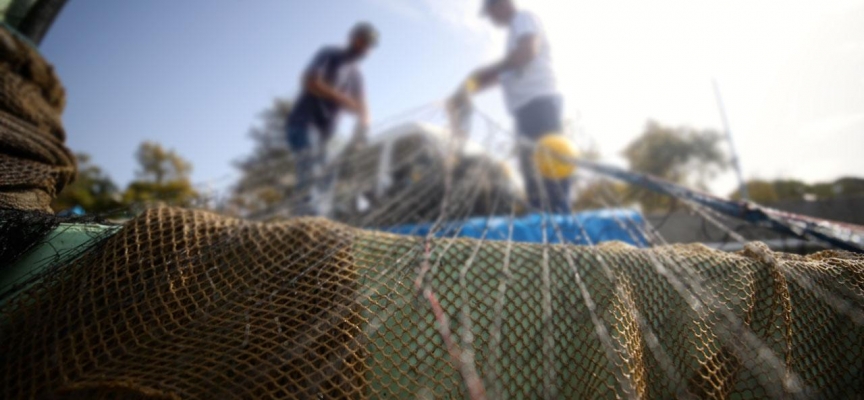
{"type": "Point", "coordinates": [266, 174]}
{"type": "Point", "coordinates": [159, 165]}
{"type": "Point", "coordinates": [767, 192]}
{"type": "Point", "coordinates": [600, 194]}
{"type": "Point", "coordinates": [92, 190]}
{"type": "Point", "coordinates": [681, 155]}
{"type": "Point", "coordinates": [162, 177]}
{"type": "Point", "coordinates": [760, 191]}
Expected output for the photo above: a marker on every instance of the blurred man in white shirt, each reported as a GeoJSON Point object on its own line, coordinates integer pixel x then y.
{"type": "Point", "coordinates": [531, 93]}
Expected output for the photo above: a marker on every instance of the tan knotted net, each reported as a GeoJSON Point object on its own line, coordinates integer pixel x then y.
{"type": "Point", "coordinates": [186, 304]}
{"type": "Point", "coordinates": [35, 164]}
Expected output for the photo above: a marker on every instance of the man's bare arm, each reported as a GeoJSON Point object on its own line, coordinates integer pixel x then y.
{"type": "Point", "coordinates": [362, 112]}
{"type": "Point", "coordinates": [525, 51]}
{"type": "Point", "coordinates": [316, 85]}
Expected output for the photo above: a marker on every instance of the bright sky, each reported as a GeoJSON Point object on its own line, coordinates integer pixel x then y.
{"type": "Point", "coordinates": [194, 75]}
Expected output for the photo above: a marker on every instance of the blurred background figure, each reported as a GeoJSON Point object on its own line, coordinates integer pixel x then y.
{"type": "Point", "coordinates": [530, 91]}
{"type": "Point", "coordinates": [331, 83]}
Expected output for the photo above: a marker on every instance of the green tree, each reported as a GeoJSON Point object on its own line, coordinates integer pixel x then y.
{"type": "Point", "coordinates": [789, 189]}
{"type": "Point", "coordinates": [266, 174]}
{"type": "Point", "coordinates": [162, 177]}
{"type": "Point", "coordinates": [602, 193]}
{"type": "Point", "coordinates": [761, 191]}
{"type": "Point", "coordinates": [767, 192]}
{"type": "Point", "coordinates": [92, 190]}
{"type": "Point", "coordinates": [843, 187]}
{"type": "Point", "coordinates": [682, 155]}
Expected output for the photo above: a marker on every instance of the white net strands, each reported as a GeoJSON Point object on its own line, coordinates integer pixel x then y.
{"type": "Point", "coordinates": [425, 274]}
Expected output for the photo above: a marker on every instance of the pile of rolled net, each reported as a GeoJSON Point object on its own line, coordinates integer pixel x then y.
{"type": "Point", "coordinates": [35, 164]}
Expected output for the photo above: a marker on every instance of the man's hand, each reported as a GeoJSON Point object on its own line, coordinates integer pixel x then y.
{"type": "Point", "coordinates": [361, 130]}
{"type": "Point", "coordinates": [351, 105]}
{"type": "Point", "coordinates": [316, 85]}
{"type": "Point", "coordinates": [459, 107]}
{"type": "Point", "coordinates": [361, 133]}
{"type": "Point", "coordinates": [363, 118]}
{"type": "Point", "coordinates": [462, 97]}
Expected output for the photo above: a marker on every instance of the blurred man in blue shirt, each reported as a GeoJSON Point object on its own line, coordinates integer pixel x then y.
{"type": "Point", "coordinates": [331, 83]}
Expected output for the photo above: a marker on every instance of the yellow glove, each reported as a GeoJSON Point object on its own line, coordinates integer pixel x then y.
{"type": "Point", "coordinates": [462, 97]}
{"type": "Point", "coordinates": [470, 86]}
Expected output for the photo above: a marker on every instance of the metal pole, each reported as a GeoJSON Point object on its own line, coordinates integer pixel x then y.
{"type": "Point", "coordinates": [736, 163]}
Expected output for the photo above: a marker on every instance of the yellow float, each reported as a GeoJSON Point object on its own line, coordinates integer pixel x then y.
{"type": "Point", "coordinates": [555, 156]}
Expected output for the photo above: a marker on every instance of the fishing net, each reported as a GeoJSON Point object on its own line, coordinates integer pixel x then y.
{"type": "Point", "coordinates": [35, 164]}
{"type": "Point", "coordinates": [178, 303]}
{"type": "Point", "coordinates": [186, 304]}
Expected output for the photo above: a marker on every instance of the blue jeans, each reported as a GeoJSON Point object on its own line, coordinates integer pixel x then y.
{"type": "Point", "coordinates": [534, 120]}
{"type": "Point", "coordinates": [310, 159]}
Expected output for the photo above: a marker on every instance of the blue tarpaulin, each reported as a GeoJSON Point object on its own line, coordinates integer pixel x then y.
{"type": "Point", "coordinates": [590, 227]}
